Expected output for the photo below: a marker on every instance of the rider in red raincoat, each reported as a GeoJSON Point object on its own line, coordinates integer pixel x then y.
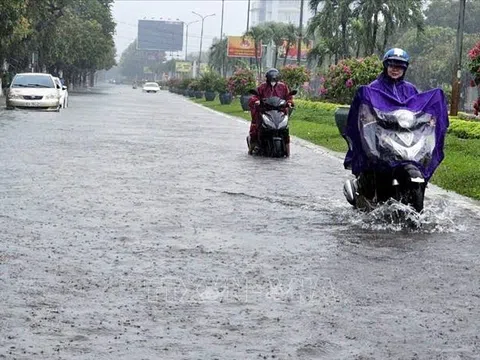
{"type": "Point", "coordinates": [272, 87]}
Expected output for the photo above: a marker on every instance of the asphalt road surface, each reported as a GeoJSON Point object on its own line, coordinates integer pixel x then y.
{"type": "Point", "coordinates": [135, 226]}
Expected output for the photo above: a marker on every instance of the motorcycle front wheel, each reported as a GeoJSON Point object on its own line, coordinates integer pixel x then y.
{"type": "Point", "coordinates": [415, 197]}
{"type": "Point", "coordinates": [278, 148]}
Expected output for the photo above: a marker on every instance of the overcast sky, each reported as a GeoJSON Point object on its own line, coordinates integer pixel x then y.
{"type": "Point", "coordinates": [127, 13]}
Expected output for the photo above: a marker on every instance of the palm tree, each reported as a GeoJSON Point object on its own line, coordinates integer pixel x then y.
{"type": "Point", "coordinates": [332, 21]}
{"type": "Point", "coordinates": [291, 37]}
{"type": "Point", "coordinates": [395, 14]}
{"type": "Point", "coordinates": [217, 57]}
{"type": "Point", "coordinates": [260, 34]}
{"type": "Point", "coordinates": [279, 33]}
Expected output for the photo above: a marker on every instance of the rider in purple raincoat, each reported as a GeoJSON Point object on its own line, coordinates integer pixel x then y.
{"type": "Point", "coordinates": [389, 89]}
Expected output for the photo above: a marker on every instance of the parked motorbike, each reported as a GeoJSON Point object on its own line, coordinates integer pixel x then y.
{"type": "Point", "coordinates": [401, 148]}
{"type": "Point", "coordinates": [274, 126]}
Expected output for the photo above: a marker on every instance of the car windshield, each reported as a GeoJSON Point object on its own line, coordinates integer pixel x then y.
{"type": "Point", "coordinates": [33, 81]}
{"type": "Point", "coordinates": [151, 84]}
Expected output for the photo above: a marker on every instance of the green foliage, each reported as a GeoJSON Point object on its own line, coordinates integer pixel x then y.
{"type": "Point", "coordinates": [348, 27]}
{"type": "Point", "coordinates": [217, 57]}
{"type": "Point", "coordinates": [194, 85]}
{"type": "Point", "coordinates": [432, 55]}
{"type": "Point", "coordinates": [294, 76]}
{"type": "Point", "coordinates": [184, 83]}
{"type": "Point", "coordinates": [222, 86]}
{"type": "Point", "coordinates": [208, 81]}
{"type": "Point", "coordinates": [241, 81]}
{"type": "Point", "coordinates": [133, 61]}
{"type": "Point", "coordinates": [342, 80]}
{"type": "Point", "coordinates": [75, 36]}
{"type": "Point", "coordinates": [316, 105]}
{"type": "Point", "coordinates": [444, 13]}
{"type": "Point", "coordinates": [464, 129]}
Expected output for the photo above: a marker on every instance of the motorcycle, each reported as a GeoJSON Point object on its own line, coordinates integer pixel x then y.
{"type": "Point", "coordinates": [274, 126]}
{"type": "Point", "coordinates": [400, 149]}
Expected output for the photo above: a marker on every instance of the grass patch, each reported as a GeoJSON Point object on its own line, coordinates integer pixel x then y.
{"type": "Point", "coordinates": [459, 171]}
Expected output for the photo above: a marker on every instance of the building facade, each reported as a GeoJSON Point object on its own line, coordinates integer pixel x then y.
{"type": "Point", "coordinates": [286, 11]}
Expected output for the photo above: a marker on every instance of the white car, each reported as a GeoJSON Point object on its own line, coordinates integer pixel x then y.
{"type": "Point", "coordinates": [151, 87]}
{"type": "Point", "coordinates": [63, 93]}
{"type": "Point", "coordinates": [33, 90]}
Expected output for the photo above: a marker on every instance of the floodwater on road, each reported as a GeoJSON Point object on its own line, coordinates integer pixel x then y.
{"type": "Point", "coordinates": [135, 226]}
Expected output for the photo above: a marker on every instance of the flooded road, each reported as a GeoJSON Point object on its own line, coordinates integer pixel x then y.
{"type": "Point", "coordinates": [135, 226]}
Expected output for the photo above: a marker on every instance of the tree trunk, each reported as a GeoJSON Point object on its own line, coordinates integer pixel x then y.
{"type": "Point", "coordinates": [344, 41]}
{"type": "Point", "coordinates": [287, 49]}
{"type": "Point", "coordinates": [276, 57]}
{"type": "Point", "coordinates": [374, 35]}
{"type": "Point", "coordinates": [92, 79]}
{"type": "Point", "coordinates": [256, 59]}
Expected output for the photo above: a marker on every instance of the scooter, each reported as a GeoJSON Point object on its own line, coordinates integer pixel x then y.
{"type": "Point", "coordinates": [274, 126]}
{"type": "Point", "coordinates": [400, 148]}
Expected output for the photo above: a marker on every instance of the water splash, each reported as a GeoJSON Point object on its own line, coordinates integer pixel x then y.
{"type": "Point", "coordinates": [393, 216]}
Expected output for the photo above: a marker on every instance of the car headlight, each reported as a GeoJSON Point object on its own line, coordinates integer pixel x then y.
{"type": "Point", "coordinates": [51, 96]}
{"type": "Point", "coordinates": [14, 96]}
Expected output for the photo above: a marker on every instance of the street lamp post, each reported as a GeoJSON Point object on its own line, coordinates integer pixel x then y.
{"type": "Point", "coordinates": [186, 40]}
{"type": "Point", "coordinates": [300, 35]}
{"type": "Point", "coordinates": [221, 38]}
{"type": "Point", "coordinates": [201, 37]}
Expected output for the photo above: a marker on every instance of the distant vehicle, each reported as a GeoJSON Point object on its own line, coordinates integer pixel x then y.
{"type": "Point", "coordinates": [150, 87]}
{"type": "Point", "coordinates": [63, 92]}
{"type": "Point", "coordinates": [34, 90]}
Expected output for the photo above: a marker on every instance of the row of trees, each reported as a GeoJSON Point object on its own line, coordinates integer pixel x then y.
{"type": "Point", "coordinates": [70, 36]}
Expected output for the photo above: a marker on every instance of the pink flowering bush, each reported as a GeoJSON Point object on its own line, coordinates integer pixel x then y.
{"type": "Point", "coordinates": [343, 79]}
{"type": "Point", "coordinates": [241, 81]}
{"type": "Point", "coordinates": [474, 67]}
{"type": "Point", "coordinates": [294, 76]}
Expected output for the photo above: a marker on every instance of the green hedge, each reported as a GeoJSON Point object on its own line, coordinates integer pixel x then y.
{"type": "Point", "coordinates": [463, 129]}
{"type": "Point", "coordinates": [317, 105]}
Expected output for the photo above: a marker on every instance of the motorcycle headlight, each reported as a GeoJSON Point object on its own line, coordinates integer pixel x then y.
{"type": "Point", "coordinates": [284, 123]}
{"type": "Point", "coordinates": [405, 118]}
{"type": "Point", "coordinates": [267, 121]}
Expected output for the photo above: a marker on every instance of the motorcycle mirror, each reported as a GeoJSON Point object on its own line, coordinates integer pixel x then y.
{"type": "Point", "coordinates": [293, 92]}
{"type": "Point", "coordinates": [253, 92]}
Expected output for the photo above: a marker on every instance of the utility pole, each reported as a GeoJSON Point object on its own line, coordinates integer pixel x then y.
{"type": "Point", "coordinates": [457, 71]}
{"type": "Point", "coordinates": [221, 39]}
{"type": "Point", "coordinates": [300, 34]}
{"type": "Point", "coordinates": [248, 16]}
{"type": "Point", "coordinates": [221, 26]}
{"type": "Point", "coordinates": [201, 37]}
{"type": "Point", "coordinates": [186, 40]}
{"type": "Point", "coordinates": [248, 27]}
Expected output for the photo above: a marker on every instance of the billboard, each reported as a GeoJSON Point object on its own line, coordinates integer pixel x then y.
{"type": "Point", "coordinates": [160, 35]}
{"type": "Point", "coordinates": [238, 46]}
{"type": "Point", "coordinates": [293, 51]}
{"type": "Point", "coordinates": [183, 67]}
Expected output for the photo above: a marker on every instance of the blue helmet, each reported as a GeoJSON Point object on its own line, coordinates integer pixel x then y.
{"type": "Point", "coordinates": [397, 57]}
